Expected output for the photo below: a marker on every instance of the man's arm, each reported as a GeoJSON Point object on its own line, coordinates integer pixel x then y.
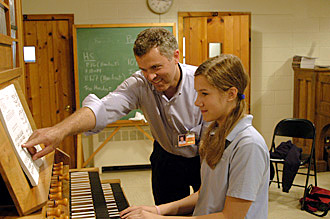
{"type": "Point", "coordinates": [80, 121]}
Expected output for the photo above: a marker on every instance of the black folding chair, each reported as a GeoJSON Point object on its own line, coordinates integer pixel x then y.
{"type": "Point", "coordinates": [299, 129]}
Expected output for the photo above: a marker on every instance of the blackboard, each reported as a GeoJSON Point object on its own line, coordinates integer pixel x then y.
{"type": "Point", "coordinates": [103, 57]}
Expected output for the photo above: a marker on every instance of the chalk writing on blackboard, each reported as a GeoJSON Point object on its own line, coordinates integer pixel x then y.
{"type": "Point", "coordinates": [104, 58]}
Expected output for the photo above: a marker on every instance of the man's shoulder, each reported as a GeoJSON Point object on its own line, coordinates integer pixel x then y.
{"type": "Point", "coordinates": [138, 76]}
{"type": "Point", "coordinates": [135, 81]}
{"type": "Point", "coordinates": [188, 68]}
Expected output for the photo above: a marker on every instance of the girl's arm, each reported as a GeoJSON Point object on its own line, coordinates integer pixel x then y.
{"type": "Point", "coordinates": [182, 207]}
{"type": "Point", "coordinates": [235, 208]}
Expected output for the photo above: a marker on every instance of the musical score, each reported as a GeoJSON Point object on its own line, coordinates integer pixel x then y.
{"type": "Point", "coordinates": [50, 197]}
{"type": "Point", "coordinates": [18, 128]}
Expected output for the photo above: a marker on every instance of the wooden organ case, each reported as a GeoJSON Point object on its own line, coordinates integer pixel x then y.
{"type": "Point", "coordinates": [61, 192]}
{"type": "Point", "coordinates": [312, 101]}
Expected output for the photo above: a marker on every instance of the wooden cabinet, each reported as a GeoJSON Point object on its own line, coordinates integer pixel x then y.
{"type": "Point", "coordinates": [11, 41]}
{"type": "Point", "coordinates": [312, 101]}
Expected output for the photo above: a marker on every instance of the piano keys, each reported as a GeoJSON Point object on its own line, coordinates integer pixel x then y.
{"type": "Point", "coordinates": [88, 197]}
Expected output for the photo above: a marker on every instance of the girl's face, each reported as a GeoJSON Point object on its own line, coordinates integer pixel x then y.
{"type": "Point", "coordinates": [214, 104]}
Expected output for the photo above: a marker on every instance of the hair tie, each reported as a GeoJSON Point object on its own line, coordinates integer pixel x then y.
{"type": "Point", "coordinates": [241, 96]}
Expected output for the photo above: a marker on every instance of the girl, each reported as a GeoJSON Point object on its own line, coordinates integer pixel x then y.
{"type": "Point", "coordinates": [235, 157]}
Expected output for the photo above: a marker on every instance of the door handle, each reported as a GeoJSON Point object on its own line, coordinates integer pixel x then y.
{"type": "Point", "coordinates": [67, 108]}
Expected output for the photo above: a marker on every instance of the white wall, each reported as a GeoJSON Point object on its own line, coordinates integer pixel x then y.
{"type": "Point", "coordinates": [280, 29]}
{"type": "Point", "coordinates": [128, 147]}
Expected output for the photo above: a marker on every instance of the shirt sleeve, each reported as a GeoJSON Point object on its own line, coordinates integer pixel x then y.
{"type": "Point", "coordinates": [98, 108]}
{"type": "Point", "coordinates": [114, 105]}
{"type": "Point", "coordinates": [247, 170]}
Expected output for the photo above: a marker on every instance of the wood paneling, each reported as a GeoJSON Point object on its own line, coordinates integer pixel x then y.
{"type": "Point", "coordinates": [6, 60]}
{"type": "Point", "coordinates": [312, 102]}
{"type": "Point", "coordinates": [6, 41]}
{"type": "Point", "coordinates": [49, 81]}
{"type": "Point", "coordinates": [32, 80]}
{"type": "Point", "coordinates": [323, 97]}
{"type": "Point", "coordinates": [196, 40]}
{"type": "Point", "coordinates": [10, 169]}
{"type": "Point", "coordinates": [304, 97]}
{"type": "Point", "coordinates": [10, 74]}
{"type": "Point", "coordinates": [215, 27]}
{"type": "Point", "coordinates": [231, 29]}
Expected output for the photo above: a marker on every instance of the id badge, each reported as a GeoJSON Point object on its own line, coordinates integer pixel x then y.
{"type": "Point", "coordinates": [186, 139]}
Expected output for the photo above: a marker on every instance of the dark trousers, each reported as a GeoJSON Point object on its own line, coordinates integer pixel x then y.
{"type": "Point", "coordinates": [172, 175]}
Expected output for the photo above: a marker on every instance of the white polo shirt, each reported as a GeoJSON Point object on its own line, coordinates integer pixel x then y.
{"type": "Point", "coordinates": [243, 172]}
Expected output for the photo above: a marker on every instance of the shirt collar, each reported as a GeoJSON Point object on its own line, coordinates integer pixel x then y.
{"type": "Point", "coordinates": [183, 78]}
{"type": "Point", "coordinates": [245, 122]}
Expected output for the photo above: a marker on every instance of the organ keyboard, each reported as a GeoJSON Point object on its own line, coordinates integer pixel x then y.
{"type": "Point", "coordinates": [61, 193]}
{"type": "Point", "coordinates": [92, 199]}
{"type": "Point", "coordinates": [78, 194]}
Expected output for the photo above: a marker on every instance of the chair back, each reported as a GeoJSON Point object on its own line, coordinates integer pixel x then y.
{"type": "Point", "coordinates": [297, 128]}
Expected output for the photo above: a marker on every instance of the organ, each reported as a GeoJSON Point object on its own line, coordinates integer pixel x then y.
{"type": "Point", "coordinates": [61, 192]}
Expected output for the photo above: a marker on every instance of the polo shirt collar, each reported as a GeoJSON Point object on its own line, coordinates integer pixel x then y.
{"type": "Point", "coordinates": [245, 122]}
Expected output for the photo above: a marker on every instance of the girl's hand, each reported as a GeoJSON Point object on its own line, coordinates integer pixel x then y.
{"type": "Point", "coordinates": [140, 212]}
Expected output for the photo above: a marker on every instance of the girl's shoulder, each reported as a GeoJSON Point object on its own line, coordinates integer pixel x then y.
{"type": "Point", "coordinates": [251, 140]}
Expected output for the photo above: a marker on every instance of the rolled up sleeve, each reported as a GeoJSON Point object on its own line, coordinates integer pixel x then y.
{"type": "Point", "coordinates": [98, 108]}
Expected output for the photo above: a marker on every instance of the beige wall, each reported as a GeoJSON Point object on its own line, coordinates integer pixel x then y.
{"type": "Point", "coordinates": [280, 29]}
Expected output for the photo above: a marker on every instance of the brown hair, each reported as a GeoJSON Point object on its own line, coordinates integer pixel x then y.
{"type": "Point", "coordinates": [154, 37]}
{"type": "Point", "coordinates": [223, 72]}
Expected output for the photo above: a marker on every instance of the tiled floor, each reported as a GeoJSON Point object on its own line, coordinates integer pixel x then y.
{"type": "Point", "coordinates": [137, 187]}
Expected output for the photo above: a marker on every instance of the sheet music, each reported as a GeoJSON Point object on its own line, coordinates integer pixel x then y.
{"type": "Point", "coordinates": [18, 128]}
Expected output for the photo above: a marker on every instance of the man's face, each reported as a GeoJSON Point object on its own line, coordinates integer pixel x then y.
{"type": "Point", "coordinates": [159, 70]}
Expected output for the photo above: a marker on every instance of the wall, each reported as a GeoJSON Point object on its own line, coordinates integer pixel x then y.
{"type": "Point", "coordinates": [279, 30]}
{"type": "Point", "coordinates": [128, 147]}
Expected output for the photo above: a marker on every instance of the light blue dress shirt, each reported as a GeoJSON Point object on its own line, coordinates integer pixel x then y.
{"type": "Point", "coordinates": [167, 118]}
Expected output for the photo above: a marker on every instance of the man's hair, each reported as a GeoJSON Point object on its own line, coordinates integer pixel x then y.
{"type": "Point", "coordinates": [222, 72]}
{"type": "Point", "coordinates": [155, 37]}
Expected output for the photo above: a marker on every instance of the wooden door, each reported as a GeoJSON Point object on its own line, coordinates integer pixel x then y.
{"type": "Point", "coordinates": [199, 29]}
{"type": "Point", "coordinates": [49, 80]}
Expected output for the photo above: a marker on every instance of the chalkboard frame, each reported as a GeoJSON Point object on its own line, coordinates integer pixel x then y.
{"type": "Point", "coordinates": [96, 26]}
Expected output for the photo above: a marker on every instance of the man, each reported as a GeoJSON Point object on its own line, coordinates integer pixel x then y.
{"type": "Point", "coordinates": [164, 90]}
